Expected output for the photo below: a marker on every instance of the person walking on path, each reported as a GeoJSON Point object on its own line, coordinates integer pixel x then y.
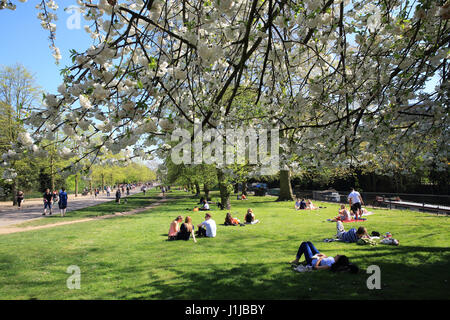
{"type": "Point", "coordinates": [54, 197]}
{"type": "Point", "coordinates": [355, 201]}
{"type": "Point", "coordinates": [62, 203]}
{"type": "Point", "coordinates": [118, 195]}
{"type": "Point", "coordinates": [108, 191]}
{"type": "Point", "coordinates": [20, 198]}
{"type": "Point", "coordinates": [47, 202]}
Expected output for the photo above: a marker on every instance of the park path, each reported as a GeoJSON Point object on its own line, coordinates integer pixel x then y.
{"type": "Point", "coordinates": [9, 230]}
{"type": "Point", "coordinates": [33, 208]}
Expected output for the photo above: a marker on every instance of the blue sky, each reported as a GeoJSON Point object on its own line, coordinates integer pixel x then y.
{"type": "Point", "coordinates": [25, 41]}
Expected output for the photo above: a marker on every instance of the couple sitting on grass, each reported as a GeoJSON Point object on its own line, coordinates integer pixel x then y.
{"type": "Point", "coordinates": [345, 215]}
{"type": "Point", "coordinates": [304, 205]}
{"type": "Point", "coordinates": [249, 219]}
{"type": "Point", "coordinates": [317, 261]}
{"type": "Point", "coordinates": [206, 229]}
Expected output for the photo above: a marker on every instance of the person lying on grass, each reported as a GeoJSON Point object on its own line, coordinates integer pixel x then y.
{"type": "Point", "coordinates": [250, 217]}
{"type": "Point", "coordinates": [175, 228]}
{"type": "Point", "coordinates": [207, 228]}
{"type": "Point", "coordinates": [186, 230]}
{"type": "Point", "coordinates": [319, 261]}
{"type": "Point", "coordinates": [230, 221]}
{"type": "Point", "coordinates": [351, 235]}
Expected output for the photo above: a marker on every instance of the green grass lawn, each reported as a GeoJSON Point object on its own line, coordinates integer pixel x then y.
{"type": "Point", "coordinates": [129, 257]}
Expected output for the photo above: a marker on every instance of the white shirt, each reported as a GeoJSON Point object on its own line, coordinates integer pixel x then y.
{"type": "Point", "coordinates": [206, 205]}
{"type": "Point", "coordinates": [210, 225]}
{"type": "Point", "coordinates": [354, 196]}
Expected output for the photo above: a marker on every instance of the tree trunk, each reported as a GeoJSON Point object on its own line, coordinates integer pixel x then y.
{"type": "Point", "coordinates": [285, 186]}
{"type": "Point", "coordinates": [14, 191]}
{"type": "Point", "coordinates": [197, 189]}
{"type": "Point", "coordinates": [206, 189]}
{"type": "Point", "coordinates": [52, 175]}
{"type": "Point", "coordinates": [225, 189]}
{"type": "Point", "coordinates": [244, 188]}
{"type": "Point", "coordinates": [90, 187]}
{"type": "Point", "coordinates": [236, 188]}
{"type": "Point", "coordinates": [76, 185]}
{"type": "Point", "coordinates": [103, 183]}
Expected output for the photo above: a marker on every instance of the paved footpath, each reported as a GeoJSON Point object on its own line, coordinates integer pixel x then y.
{"type": "Point", "coordinates": [33, 208]}
{"type": "Point", "coordinates": [12, 229]}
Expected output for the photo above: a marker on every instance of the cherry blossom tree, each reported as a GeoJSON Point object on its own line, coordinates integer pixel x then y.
{"type": "Point", "coordinates": [340, 79]}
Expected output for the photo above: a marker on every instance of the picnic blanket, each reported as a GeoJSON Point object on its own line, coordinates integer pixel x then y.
{"type": "Point", "coordinates": [345, 221]}
{"type": "Point", "coordinates": [353, 220]}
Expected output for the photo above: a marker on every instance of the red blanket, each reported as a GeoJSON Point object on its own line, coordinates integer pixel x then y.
{"type": "Point", "coordinates": [353, 220]}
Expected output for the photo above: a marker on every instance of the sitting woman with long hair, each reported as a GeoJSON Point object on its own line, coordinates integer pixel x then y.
{"type": "Point", "coordinates": [319, 261]}
{"type": "Point", "coordinates": [175, 228]}
{"type": "Point", "coordinates": [310, 205]}
{"type": "Point", "coordinates": [186, 230]}
{"type": "Point", "coordinates": [344, 214]}
{"type": "Point", "coordinates": [250, 217]}
{"type": "Point", "coordinates": [230, 221]}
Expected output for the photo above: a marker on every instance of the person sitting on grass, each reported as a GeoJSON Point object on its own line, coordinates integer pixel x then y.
{"type": "Point", "coordinates": [319, 261]}
{"type": "Point", "coordinates": [175, 228]}
{"type": "Point", "coordinates": [205, 205]}
{"type": "Point", "coordinates": [344, 214]}
{"type": "Point", "coordinates": [207, 228]}
{"type": "Point", "coordinates": [244, 197]}
{"type": "Point", "coordinates": [300, 205]}
{"type": "Point", "coordinates": [310, 205]}
{"type": "Point", "coordinates": [351, 235]}
{"type": "Point", "coordinates": [250, 217]}
{"type": "Point", "coordinates": [230, 221]}
{"type": "Point", "coordinates": [186, 230]}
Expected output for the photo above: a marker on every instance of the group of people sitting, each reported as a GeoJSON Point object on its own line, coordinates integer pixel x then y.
{"type": "Point", "coordinates": [184, 231]}
{"type": "Point", "coordinates": [304, 205]}
{"type": "Point", "coordinates": [249, 219]}
{"type": "Point", "coordinates": [346, 215]}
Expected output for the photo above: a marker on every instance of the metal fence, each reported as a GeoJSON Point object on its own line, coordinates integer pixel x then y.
{"type": "Point", "coordinates": [422, 202]}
